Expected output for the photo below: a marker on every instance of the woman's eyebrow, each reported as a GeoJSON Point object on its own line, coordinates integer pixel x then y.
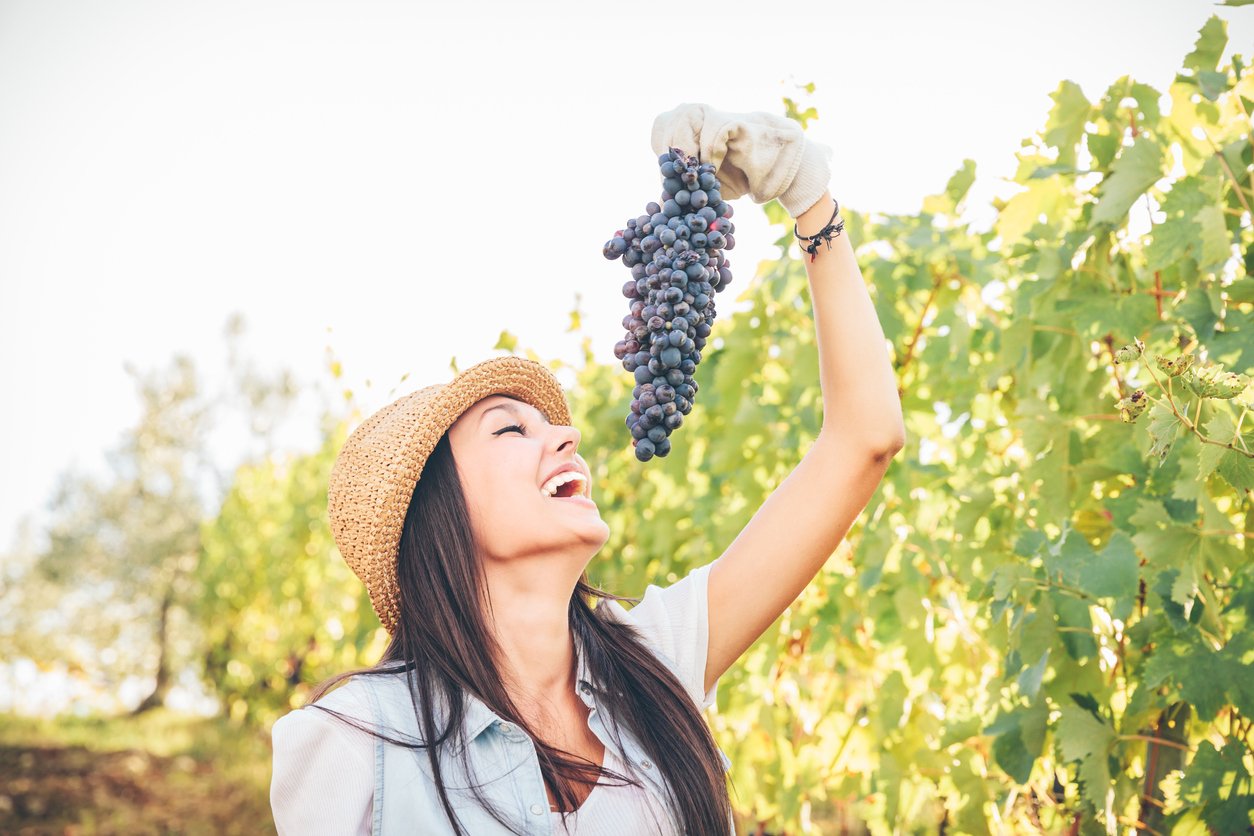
{"type": "Point", "coordinates": [513, 408]}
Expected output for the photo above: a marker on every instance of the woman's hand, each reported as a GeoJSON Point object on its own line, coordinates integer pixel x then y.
{"type": "Point", "coordinates": [759, 154]}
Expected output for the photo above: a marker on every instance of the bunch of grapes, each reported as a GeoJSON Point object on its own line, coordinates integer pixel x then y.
{"type": "Point", "coordinates": [675, 252]}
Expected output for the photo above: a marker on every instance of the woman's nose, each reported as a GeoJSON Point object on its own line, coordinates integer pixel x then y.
{"type": "Point", "coordinates": [568, 435]}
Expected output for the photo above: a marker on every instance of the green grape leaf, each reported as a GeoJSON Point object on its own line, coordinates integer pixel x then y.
{"type": "Point", "coordinates": [1022, 211]}
{"type": "Point", "coordinates": [1164, 587]}
{"type": "Point", "coordinates": [1238, 661]}
{"type": "Point", "coordinates": [1065, 126]}
{"type": "Point", "coordinates": [507, 342]}
{"type": "Point", "coordinates": [1164, 427]}
{"type": "Point", "coordinates": [1112, 574]}
{"type": "Point", "coordinates": [1219, 779]}
{"type": "Point", "coordinates": [1020, 739]}
{"type": "Point", "coordinates": [1134, 171]}
{"type": "Point", "coordinates": [1030, 678]}
{"type": "Point", "coordinates": [1209, 46]}
{"type": "Point", "coordinates": [1194, 669]}
{"type": "Point", "coordinates": [1216, 246]}
{"type": "Point", "coordinates": [1086, 739]}
{"type": "Point", "coordinates": [1171, 240]}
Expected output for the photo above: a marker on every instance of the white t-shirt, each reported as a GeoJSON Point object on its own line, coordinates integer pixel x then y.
{"type": "Point", "coordinates": [323, 778]}
{"type": "Point", "coordinates": [607, 808]}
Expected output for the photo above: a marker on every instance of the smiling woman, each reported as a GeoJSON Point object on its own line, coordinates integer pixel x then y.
{"type": "Point", "coordinates": [507, 701]}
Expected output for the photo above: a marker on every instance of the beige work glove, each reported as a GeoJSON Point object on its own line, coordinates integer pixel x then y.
{"type": "Point", "coordinates": [759, 154]}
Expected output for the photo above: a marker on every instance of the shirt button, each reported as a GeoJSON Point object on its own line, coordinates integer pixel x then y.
{"type": "Point", "coordinates": [507, 727]}
{"type": "Point", "coordinates": [646, 763]}
{"type": "Point", "coordinates": [537, 809]}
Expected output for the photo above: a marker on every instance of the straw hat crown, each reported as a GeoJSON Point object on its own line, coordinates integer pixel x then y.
{"type": "Point", "coordinates": [377, 469]}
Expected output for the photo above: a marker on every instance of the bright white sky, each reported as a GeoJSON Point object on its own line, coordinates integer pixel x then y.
{"type": "Point", "coordinates": [402, 181]}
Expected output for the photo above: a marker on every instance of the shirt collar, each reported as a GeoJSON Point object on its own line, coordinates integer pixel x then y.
{"type": "Point", "coordinates": [479, 717]}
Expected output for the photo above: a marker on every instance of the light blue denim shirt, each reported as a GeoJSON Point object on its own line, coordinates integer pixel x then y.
{"type": "Point", "coordinates": [403, 799]}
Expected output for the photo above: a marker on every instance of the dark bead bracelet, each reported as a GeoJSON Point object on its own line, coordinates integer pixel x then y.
{"type": "Point", "coordinates": [827, 233]}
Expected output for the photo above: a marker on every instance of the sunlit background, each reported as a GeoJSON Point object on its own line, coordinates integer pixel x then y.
{"type": "Point", "coordinates": [229, 230]}
{"type": "Point", "coordinates": [397, 183]}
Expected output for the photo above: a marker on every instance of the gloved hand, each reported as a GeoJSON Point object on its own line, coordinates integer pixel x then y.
{"type": "Point", "coordinates": [760, 154]}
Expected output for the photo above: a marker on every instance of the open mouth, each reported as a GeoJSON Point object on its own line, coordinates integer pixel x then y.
{"type": "Point", "coordinates": [574, 490]}
{"type": "Point", "coordinates": [569, 489]}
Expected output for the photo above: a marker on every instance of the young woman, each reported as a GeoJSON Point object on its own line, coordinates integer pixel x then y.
{"type": "Point", "coordinates": [506, 702]}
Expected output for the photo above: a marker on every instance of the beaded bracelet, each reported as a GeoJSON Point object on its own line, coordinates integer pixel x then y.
{"type": "Point", "coordinates": [827, 233]}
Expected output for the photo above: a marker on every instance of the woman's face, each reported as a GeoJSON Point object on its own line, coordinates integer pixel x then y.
{"type": "Point", "coordinates": [505, 451]}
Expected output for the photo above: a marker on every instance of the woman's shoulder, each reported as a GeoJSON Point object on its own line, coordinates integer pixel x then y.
{"type": "Point", "coordinates": [349, 699]}
{"type": "Point", "coordinates": [322, 778]}
{"type": "Point", "coordinates": [661, 608]}
{"type": "Point", "coordinates": [358, 697]}
{"type": "Point", "coordinates": [674, 621]}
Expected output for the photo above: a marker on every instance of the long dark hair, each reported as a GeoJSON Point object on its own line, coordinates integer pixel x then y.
{"type": "Point", "coordinates": [444, 646]}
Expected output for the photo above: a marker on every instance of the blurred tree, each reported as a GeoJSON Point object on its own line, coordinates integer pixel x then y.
{"type": "Point", "coordinates": [108, 594]}
{"type": "Point", "coordinates": [122, 549]}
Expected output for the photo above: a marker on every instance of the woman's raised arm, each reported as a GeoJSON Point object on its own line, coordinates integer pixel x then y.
{"type": "Point", "coordinates": [801, 523]}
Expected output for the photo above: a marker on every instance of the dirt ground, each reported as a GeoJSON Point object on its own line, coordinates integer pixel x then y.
{"type": "Point", "coordinates": [72, 790]}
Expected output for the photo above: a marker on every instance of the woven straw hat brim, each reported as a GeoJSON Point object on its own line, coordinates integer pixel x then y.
{"type": "Point", "coordinates": [377, 469]}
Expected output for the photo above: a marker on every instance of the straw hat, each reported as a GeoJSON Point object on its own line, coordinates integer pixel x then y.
{"type": "Point", "coordinates": [374, 475]}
